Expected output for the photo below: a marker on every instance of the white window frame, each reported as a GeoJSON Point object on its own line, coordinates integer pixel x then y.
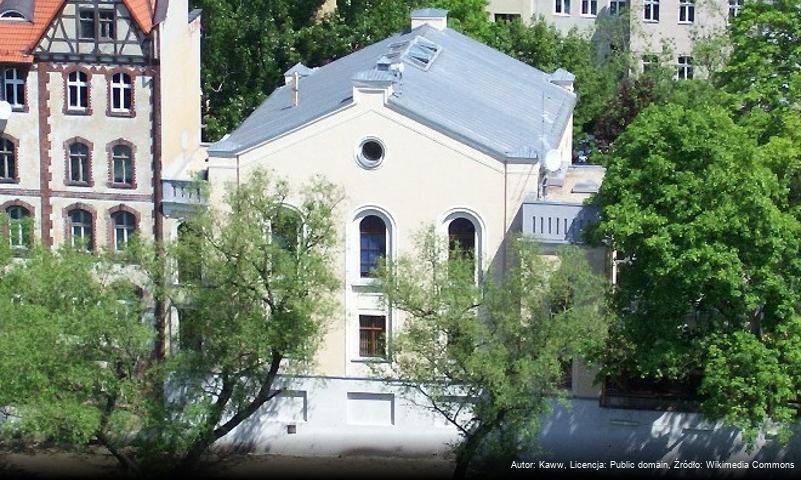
{"type": "Point", "coordinates": [8, 157]}
{"type": "Point", "coordinates": [561, 7]}
{"type": "Point", "coordinates": [619, 6]}
{"type": "Point", "coordinates": [86, 229]}
{"type": "Point", "coordinates": [687, 11]}
{"type": "Point", "coordinates": [684, 69]}
{"type": "Point", "coordinates": [127, 231]}
{"type": "Point", "coordinates": [587, 7]}
{"type": "Point", "coordinates": [734, 8]}
{"type": "Point", "coordinates": [650, 11]}
{"type": "Point", "coordinates": [81, 102]}
{"type": "Point", "coordinates": [17, 82]}
{"type": "Point", "coordinates": [119, 85]}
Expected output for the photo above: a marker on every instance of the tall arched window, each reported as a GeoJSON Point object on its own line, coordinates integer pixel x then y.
{"type": "Point", "coordinates": [121, 93]}
{"type": "Point", "coordinates": [8, 162]}
{"type": "Point", "coordinates": [77, 91]}
{"type": "Point", "coordinates": [124, 229]}
{"type": "Point", "coordinates": [462, 237]}
{"type": "Point", "coordinates": [79, 165]}
{"type": "Point", "coordinates": [372, 244]}
{"type": "Point", "coordinates": [19, 227]}
{"type": "Point", "coordinates": [286, 229]}
{"type": "Point", "coordinates": [189, 261]}
{"type": "Point", "coordinates": [122, 165]}
{"type": "Point", "coordinates": [81, 230]}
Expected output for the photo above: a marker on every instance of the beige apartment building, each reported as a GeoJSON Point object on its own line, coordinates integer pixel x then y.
{"type": "Point", "coordinates": [98, 97]}
{"type": "Point", "coordinates": [655, 30]}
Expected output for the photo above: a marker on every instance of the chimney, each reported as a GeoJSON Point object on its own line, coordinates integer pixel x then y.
{"type": "Point", "coordinates": [433, 17]}
{"type": "Point", "coordinates": [296, 89]}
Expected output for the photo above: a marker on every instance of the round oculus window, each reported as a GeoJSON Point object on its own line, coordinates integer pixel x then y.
{"type": "Point", "coordinates": [370, 153]}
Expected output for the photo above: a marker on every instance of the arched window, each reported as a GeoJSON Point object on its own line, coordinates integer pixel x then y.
{"type": "Point", "coordinates": [462, 237]}
{"type": "Point", "coordinates": [19, 227]}
{"type": "Point", "coordinates": [8, 162]}
{"type": "Point", "coordinates": [124, 229]}
{"type": "Point", "coordinates": [372, 244]}
{"type": "Point", "coordinates": [122, 165]}
{"type": "Point", "coordinates": [81, 230]}
{"type": "Point", "coordinates": [12, 15]}
{"type": "Point", "coordinates": [77, 91]}
{"type": "Point", "coordinates": [286, 229]}
{"type": "Point", "coordinates": [121, 93]}
{"type": "Point", "coordinates": [79, 163]}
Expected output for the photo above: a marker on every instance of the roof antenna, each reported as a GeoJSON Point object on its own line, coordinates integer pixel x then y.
{"type": "Point", "coordinates": [296, 89]}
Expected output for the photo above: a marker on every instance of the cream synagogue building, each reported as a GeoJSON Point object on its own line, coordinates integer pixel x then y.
{"type": "Point", "coordinates": [425, 127]}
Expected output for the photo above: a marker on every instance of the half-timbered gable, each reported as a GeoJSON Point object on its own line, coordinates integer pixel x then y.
{"type": "Point", "coordinates": [96, 31]}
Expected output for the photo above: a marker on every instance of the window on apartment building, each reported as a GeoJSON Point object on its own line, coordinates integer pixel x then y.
{"type": "Point", "coordinates": [616, 7]}
{"type": "Point", "coordinates": [86, 23]}
{"type": "Point", "coordinates": [507, 17]}
{"type": "Point", "coordinates": [8, 161]}
{"type": "Point", "coordinates": [372, 244]}
{"type": "Point", "coordinates": [372, 335]}
{"type": "Point", "coordinates": [189, 265]}
{"type": "Point", "coordinates": [649, 62]}
{"type": "Point", "coordinates": [589, 7]}
{"type": "Point", "coordinates": [81, 230]}
{"type": "Point", "coordinates": [123, 165]}
{"type": "Point", "coordinates": [734, 8]}
{"type": "Point", "coordinates": [684, 68]}
{"type": "Point", "coordinates": [79, 165]}
{"type": "Point", "coordinates": [686, 11]}
{"type": "Point", "coordinates": [561, 7]}
{"type": "Point", "coordinates": [12, 15]}
{"type": "Point", "coordinates": [121, 93]}
{"type": "Point", "coordinates": [106, 22]}
{"type": "Point", "coordinates": [124, 229]}
{"type": "Point", "coordinates": [77, 91]}
{"type": "Point", "coordinates": [651, 10]}
{"type": "Point", "coordinates": [189, 333]}
{"type": "Point", "coordinates": [14, 87]}
{"type": "Point", "coordinates": [20, 231]}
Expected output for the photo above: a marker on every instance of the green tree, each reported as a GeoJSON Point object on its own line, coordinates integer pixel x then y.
{"type": "Point", "coordinates": [74, 339]}
{"type": "Point", "coordinates": [712, 278]}
{"type": "Point", "coordinates": [255, 293]}
{"type": "Point", "coordinates": [489, 356]}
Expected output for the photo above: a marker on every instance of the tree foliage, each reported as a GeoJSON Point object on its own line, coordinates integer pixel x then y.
{"type": "Point", "coordinates": [712, 273]}
{"type": "Point", "coordinates": [74, 339]}
{"type": "Point", "coordinates": [256, 278]}
{"type": "Point", "coordinates": [489, 355]}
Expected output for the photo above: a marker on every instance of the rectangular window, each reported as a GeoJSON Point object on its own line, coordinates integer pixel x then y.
{"type": "Point", "coordinates": [86, 21]}
{"type": "Point", "coordinates": [561, 7]}
{"type": "Point", "coordinates": [734, 8]}
{"type": "Point", "coordinates": [616, 6]}
{"type": "Point", "coordinates": [686, 11]}
{"type": "Point", "coordinates": [372, 335]}
{"type": "Point", "coordinates": [107, 24]}
{"type": "Point", "coordinates": [649, 63]}
{"type": "Point", "coordinates": [684, 68]}
{"type": "Point", "coordinates": [651, 11]}
{"type": "Point", "coordinates": [589, 7]}
{"type": "Point", "coordinates": [507, 17]}
{"type": "Point", "coordinates": [13, 92]}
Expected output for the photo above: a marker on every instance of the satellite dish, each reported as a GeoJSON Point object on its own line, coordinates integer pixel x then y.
{"type": "Point", "coordinates": [553, 161]}
{"type": "Point", "coordinates": [5, 111]}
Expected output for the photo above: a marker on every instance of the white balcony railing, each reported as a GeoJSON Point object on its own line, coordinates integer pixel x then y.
{"type": "Point", "coordinates": [557, 222]}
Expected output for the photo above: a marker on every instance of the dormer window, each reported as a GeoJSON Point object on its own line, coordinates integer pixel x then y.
{"type": "Point", "coordinates": [13, 15]}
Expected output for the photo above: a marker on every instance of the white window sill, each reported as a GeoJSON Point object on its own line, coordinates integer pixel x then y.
{"type": "Point", "coordinates": [369, 360]}
{"type": "Point", "coordinates": [650, 21]}
{"type": "Point", "coordinates": [364, 282]}
{"type": "Point", "coordinates": [685, 23]}
{"type": "Point", "coordinates": [588, 15]}
{"type": "Point", "coordinates": [561, 14]}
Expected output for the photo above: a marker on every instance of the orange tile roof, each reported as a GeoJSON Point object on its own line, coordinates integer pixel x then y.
{"type": "Point", "coordinates": [17, 39]}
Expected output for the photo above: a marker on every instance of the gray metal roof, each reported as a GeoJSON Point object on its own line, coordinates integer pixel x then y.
{"type": "Point", "coordinates": [430, 13]}
{"type": "Point", "coordinates": [463, 88]}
